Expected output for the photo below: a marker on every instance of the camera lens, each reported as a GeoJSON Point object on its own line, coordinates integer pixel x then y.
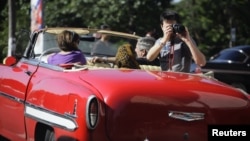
{"type": "Point", "coordinates": [178, 28]}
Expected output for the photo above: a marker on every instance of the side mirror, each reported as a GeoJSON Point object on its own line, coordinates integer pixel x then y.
{"type": "Point", "coordinates": [9, 61]}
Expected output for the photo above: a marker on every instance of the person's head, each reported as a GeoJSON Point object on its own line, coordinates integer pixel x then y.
{"type": "Point", "coordinates": [169, 17]}
{"type": "Point", "coordinates": [143, 45]}
{"type": "Point", "coordinates": [125, 58]}
{"type": "Point", "coordinates": [68, 40]}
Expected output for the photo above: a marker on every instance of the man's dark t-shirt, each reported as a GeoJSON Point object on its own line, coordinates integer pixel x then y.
{"type": "Point", "coordinates": [182, 57]}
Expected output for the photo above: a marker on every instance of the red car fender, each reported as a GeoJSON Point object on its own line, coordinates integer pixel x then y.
{"type": "Point", "coordinates": [40, 98]}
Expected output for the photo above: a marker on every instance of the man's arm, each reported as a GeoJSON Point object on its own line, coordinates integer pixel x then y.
{"type": "Point", "coordinates": [197, 55]}
{"type": "Point", "coordinates": [103, 59]}
{"type": "Point", "coordinates": [155, 50]}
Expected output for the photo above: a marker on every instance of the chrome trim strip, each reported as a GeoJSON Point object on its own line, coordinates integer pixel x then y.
{"type": "Point", "coordinates": [49, 117]}
{"type": "Point", "coordinates": [186, 116]}
{"type": "Point", "coordinates": [12, 98]}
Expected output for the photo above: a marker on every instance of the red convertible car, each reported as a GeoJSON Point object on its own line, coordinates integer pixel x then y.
{"type": "Point", "coordinates": [99, 102]}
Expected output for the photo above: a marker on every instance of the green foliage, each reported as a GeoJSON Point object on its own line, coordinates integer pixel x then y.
{"type": "Point", "coordinates": [123, 15]}
{"type": "Point", "coordinates": [208, 21]}
{"type": "Point", "coordinates": [22, 21]}
{"type": "Point", "coordinates": [4, 29]}
{"type": "Point", "coordinates": [211, 21]}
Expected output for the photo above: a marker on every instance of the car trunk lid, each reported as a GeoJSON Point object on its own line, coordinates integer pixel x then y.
{"type": "Point", "coordinates": [165, 105]}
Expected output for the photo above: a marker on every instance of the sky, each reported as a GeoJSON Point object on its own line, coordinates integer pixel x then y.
{"type": "Point", "coordinates": [176, 1]}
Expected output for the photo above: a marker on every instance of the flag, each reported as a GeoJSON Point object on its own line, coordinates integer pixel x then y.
{"type": "Point", "coordinates": [36, 14]}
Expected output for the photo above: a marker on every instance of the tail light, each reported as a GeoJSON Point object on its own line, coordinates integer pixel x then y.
{"type": "Point", "coordinates": [92, 110]}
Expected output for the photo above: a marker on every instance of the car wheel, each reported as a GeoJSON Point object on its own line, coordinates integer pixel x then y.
{"type": "Point", "coordinates": [49, 135]}
{"type": "Point", "coordinates": [239, 85]}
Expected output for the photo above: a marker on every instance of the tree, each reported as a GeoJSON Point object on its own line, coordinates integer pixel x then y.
{"type": "Point", "coordinates": [210, 22]}
{"type": "Point", "coordinates": [124, 15]}
{"type": "Point", "coordinates": [135, 16]}
{"type": "Point", "coordinates": [3, 28]}
{"type": "Point", "coordinates": [22, 21]}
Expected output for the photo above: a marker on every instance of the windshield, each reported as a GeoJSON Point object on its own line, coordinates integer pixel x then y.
{"type": "Point", "coordinates": [99, 47]}
{"type": "Point", "coordinates": [89, 44]}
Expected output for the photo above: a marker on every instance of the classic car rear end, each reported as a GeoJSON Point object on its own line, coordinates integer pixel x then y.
{"type": "Point", "coordinates": [167, 106]}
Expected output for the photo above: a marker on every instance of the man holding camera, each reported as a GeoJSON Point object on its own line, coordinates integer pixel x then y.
{"type": "Point", "coordinates": [176, 48]}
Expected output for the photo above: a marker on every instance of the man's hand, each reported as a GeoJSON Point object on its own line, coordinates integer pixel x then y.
{"type": "Point", "coordinates": [185, 37]}
{"type": "Point", "coordinates": [96, 59]}
{"type": "Point", "coordinates": [167, 32]}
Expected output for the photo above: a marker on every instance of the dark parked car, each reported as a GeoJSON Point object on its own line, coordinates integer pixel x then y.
{"type": "Point", "coordinates": [232, 66]}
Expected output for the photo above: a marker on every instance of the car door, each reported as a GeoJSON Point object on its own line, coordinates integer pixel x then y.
{"type": "Point", "coordinates": [14, 81]}
{"type": "Point", "coordinates": [13, 86]}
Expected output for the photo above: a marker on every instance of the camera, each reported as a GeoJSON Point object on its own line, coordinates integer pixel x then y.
{"type": "Point", "coordinates": [178, 28]}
